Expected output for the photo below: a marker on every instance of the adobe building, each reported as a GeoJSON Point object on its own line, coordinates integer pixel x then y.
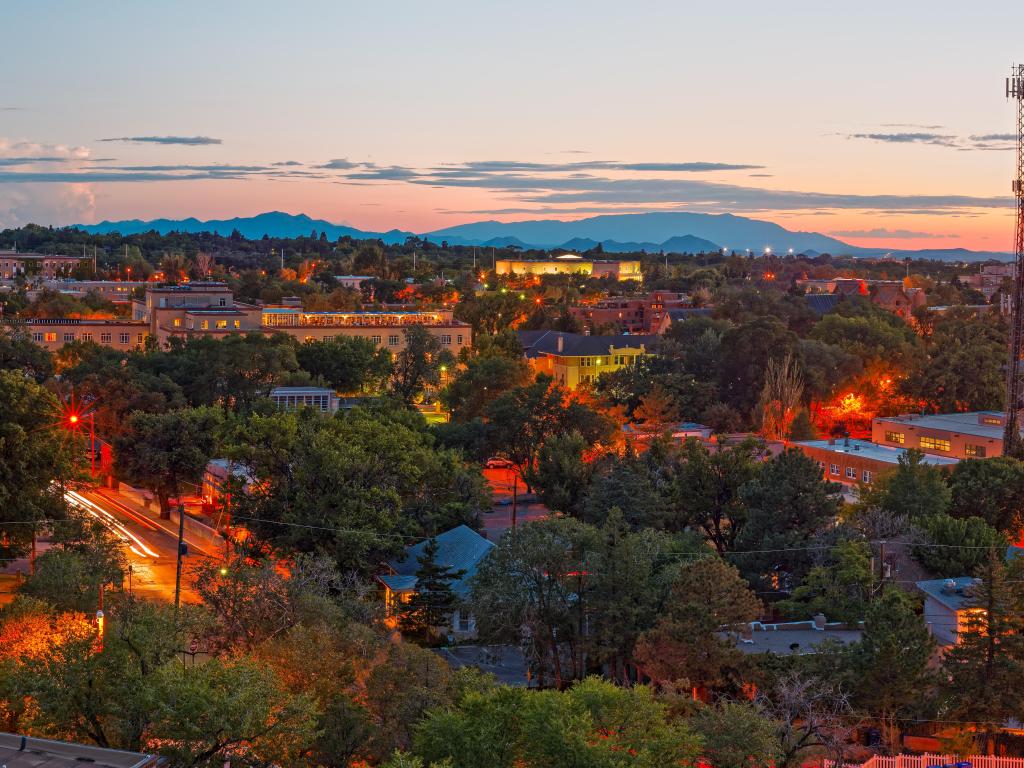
{"type": "Point", "coordinates": [570, 264]}
{"type": "Point", "coordinates": [853, 462]}
{"type": "Point", "coordinates": [972, 435]}
{"type": "Point", "coordinates": [122, 335]}
{"type": "Point", "coordinates": [13, 264]}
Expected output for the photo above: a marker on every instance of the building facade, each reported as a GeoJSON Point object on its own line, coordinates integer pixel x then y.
{"type": "Point", "coordinates": [855, 462]}
{"type": "Point", "coordinates": [570, 264]}
{"type": "Point", "coordinates": [123, 335]}
{"type": "Point", "coordinates": [318, 398]}
{"type": "Point", "coordinates": [572, 359]}
{"type": "Point", "coordinates": [973, 435]}
{"type": "Point", "coordinates": [13, 264]}
{"type": "Point", "coordinates": [641, 314]}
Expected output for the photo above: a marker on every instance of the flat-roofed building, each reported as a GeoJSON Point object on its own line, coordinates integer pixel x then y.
{"type": "Point", "coordinates": [353, 281]}
{"type": "Point", "coordinates": [384, 329]}
{"type": "Point", "coordinates": [317, 398]}
{"type": "Point", "coordinates": [54, 333]}
{"type": "Point", "coordinates": [47, 266]}
{"type": "Point", "coordinates": [116, 291]}
{"type": "Point", "coordinates": [18, 751]}
{"type": "Point", "coordinates": [859, 461]}
{"type": "Point", "coordinates": [570, 264]}
{"type": "Point", "coordinates": [572, 359]}
{"type": "Point", "coordinates": [630, 314]}
{"type": "Point", "coordinates": [972, 435]}
{"type": "Point", "coordinates": [195, 309]}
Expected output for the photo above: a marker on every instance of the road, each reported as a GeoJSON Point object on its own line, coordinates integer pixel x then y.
{"type": "Point", "coordinates": [149, 543]}
{"type": "Point", "coordinates": [498, 519]}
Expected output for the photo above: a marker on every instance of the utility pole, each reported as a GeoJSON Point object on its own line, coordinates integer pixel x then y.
{"type": "Point", "coordinates": [181, 552]}
{"type": "Point", "coordinates": [1013, 445]}
{"type": "Point", "coordinates": [515, 494]}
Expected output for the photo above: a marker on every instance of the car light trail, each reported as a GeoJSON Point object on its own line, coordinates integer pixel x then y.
{"type": "Point", "coordinates": [134, 543]}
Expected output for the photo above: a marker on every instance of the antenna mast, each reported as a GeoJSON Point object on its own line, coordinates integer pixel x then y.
{"type": "Point", "coordinates": [1013, 445]}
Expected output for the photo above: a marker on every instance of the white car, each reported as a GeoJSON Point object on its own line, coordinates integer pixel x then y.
{"type": "Point", "coordinates": [496, 462]}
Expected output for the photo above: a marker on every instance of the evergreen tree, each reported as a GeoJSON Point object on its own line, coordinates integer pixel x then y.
{"type": "Point", "coordinates": [432, 602]}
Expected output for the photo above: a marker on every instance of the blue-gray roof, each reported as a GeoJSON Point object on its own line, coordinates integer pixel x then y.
{"type": "Point", "coordinates": [822, 303]}
{"type": "Point", "coordinates": [576, 344]}
{"type": "Point", "coordinates": [460, 549]}
{"type": "Point", "coordinates": [679, 314]}
{"type": "Point", "coordinates": [954, 595]}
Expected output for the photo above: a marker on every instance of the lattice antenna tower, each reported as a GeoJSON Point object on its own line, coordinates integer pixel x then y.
{"type": "Point", "coordinates": [1013, 445]}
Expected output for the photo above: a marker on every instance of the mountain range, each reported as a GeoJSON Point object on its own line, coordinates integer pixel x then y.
{"type": "Point", "coordinates": [668, 231]}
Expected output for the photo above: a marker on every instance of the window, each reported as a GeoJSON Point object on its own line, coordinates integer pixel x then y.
{"type": "Point", "coordinates": [205, 325]}
{"type": "Point", "coordinates": [375, 339]}
{"type": "Point", "coordinates": [223, 301]}
{"type": "Point", "coordinates": [140, 338]}
{"type": "Point", "coordinates": [392, 341]}
{"type": "Point", "coordinates": [222, 324]}
{"type": "Point", "coordinates": [459, 339]}
{"type": "Point", "coordinates": [51, 336]}
{"type": "Point", "coordinates": [993, 420]}
{"type": "Point", "coordinates": [446, 340]}
{"type": "Point", "coordinates": [124, 338]}
{"type": "Point", "coordinates": [975, 451]}
{"type": "Point", "coordinates": [238, 324]}
{"type": "Point", "coordinates": [833, 469]}
{"type": "Point", "coordinates": [104, 338]}
{"type": "Point", "coordinates": [586, 362]}
{"type": "Point", "coordinates": [69, 337]}
{"type": "Point", "coordinates": [177, 322]}
{"type": "Point", "coordinates": [894, 437]}
{"type": "Point", "coordinates": [934, 443]}
{"type": "Point", "coordinates": [463, 622]}
{"type": "Point", "coordinates": [866, 476]}
{"type": "Point", "coordinates": [86, 337]}
{"type": "Point", "coordinates": [37, 337]}
{"type": "Point", "coordinates": [851, 473]}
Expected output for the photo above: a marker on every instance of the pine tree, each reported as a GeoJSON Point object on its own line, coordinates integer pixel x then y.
{"type": "Point", "coordinates": [431, 604]}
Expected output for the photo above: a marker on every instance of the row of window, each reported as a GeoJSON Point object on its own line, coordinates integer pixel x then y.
{"type": "Point", "coordinates": [850, 472]}
{"type": "Point", "coordinates": [105, 338]}
{"type": "Point", "coordinates": [395, 340]}
{"type": "Point", "coordinates": [936, 444]}
{"type": "Point", "coordinates": [590, 362]}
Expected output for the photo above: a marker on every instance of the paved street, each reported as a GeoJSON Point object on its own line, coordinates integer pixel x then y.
{"type": "Point", "coordinates": [498, 519]}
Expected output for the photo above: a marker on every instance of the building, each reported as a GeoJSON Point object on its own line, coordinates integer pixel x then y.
{"type": "Point", "coordinates": [385, 329]}
{"type": "Point", "coordinates": [947, 607]}
{"type": "Point", "coordinates": [794, 638]}
{"type": "Point", "coordinates": [13, 264]}
{"type": "Point", "coordinates": [680, 432]}
{"type": "Point", "coordinates": [569, 264]}
{"type": "Point", "coordinates": [572, 359]}
{"type": "Point", "coordinates": [317, 398]}
{"type": "Point", "coordinates": [680, 315]}
{"type": "Point", "coordinates": [859, 461]}
{"type": "Point", "coordinates": [215, 487]}
{"type": "Point", "coordinates": [890, 295]}
{"type": "Point", "coordinates": [353, 281]}
{"type": "Point", "coordinates": [199, 308]}
{"type": "Point", "coordinates": [29, 752]}
{"type": "Point", "coordinates": [122, 335]}
{"type": "Point", "coordinates": [115, 291]}
{"type": "Point", "coordinates": [641, 314]}
{"type": "Point", "coordinates": [460, 549]}
{"type": "Point", "coordinates": [990, 279]}
{"type": "Point", "coordinates": [972, 435]}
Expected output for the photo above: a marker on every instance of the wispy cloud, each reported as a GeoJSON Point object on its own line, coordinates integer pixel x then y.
{"type": "Point", "coordinates": [880, 233]}
{"type": "Point", "coordinates": [918, 126]}
{"type": "Point", "coordinates": [340, 164]}
{"type": "Point", "coordinates": [287, 162]}
{"type": "Point", "coordinates": [940, 139]}
{"type": "Point", "coordinates": [984, 142]}
{"type": "Point", "coordinates": [191, 141]}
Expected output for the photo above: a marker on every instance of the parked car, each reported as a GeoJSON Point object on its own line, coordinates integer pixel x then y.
{"type": "Point", "coordinates": [497, 462]}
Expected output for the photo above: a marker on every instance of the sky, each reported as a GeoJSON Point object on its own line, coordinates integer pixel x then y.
{"type": "Point", "coordinates": [881, 123]}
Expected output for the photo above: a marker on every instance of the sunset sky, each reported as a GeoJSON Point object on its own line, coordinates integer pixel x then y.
{"type": "Point", "coordinates": [883, 124]}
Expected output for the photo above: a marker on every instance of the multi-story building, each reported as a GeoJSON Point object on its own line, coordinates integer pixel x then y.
{"type": "Point", "coordinates": [572, 359]}
{"type": "Point", "coordinates": [194, 309]}
{"type": "Point", "coordinates": [317, 398]}
{"type": "Point", "coordinates": [116, 291]}
{"type": "Point", "coordinates": [124, 335]}
{"type": "Point", "coordinates": [858, 461]}
{"type": "Point", "coordinates": [990, 279]}
{"type": "Point", "coordinates": [46, 266]}
{"type": "Point", "coordinates": [385, 329]}
{"type": "Point", "coordinates": [640, 314]}
{"type": "Point", "coordinates": [570, 264]}
{"type": "Point", "coordinates": [890, 295]}
{"type": "Point", "coordinates": [973, 435]}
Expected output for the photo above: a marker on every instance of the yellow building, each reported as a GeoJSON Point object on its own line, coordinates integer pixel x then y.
{"type": "Point", "coordinates": [572, 359]}
{"type": "Point", "coordinates": [569, 264]}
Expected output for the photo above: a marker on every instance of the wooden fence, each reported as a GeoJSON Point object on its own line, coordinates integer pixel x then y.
{"type": "Point", "coordinates": [928, 761]}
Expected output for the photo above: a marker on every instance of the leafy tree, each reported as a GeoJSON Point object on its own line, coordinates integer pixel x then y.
{"type": "Point", "coordinates": [914, 488]}
{"type": "Point", "coordinates": [484, 379]}
{"type": "Point", "coordinates": [737, 734]}
{"type": "Point", "coordinates": [992, 489]}
{"type": "Point", "coordinates": [34, 452]}
{"type": "Point", "coordinates": [628, 485]}
{"type": "Point", "coordinates": [349, 364]}
{"type": "Point", "coordinates": [986, 665]}
{"type": "Point", "coordinates": [685, 644]}
{"type": "Point", "coordinates": [839, 590]}
{"type": "Point", "coordinates": [708, 491]}
{"type": "Point", "coordinates": [890, 663]}
{"type": "Point", "coordinates": [164, 451]}
{"type": "Point", "coordinates": [744, 356]}
{"type": "Point", "coordinates": [431, 603]}
{"type": "Point", "coordinates": [19, 353]}
{"type": "Point", "coordinates": [525, 590]}
{"type": "Point", "coordinates": [788, 505]}
{"type": "Point", "coordinates": [657, 411]}
{"type": "Point", "coordinates": [956, 546]}
{"type": "Point", "coordinates": [562, 476]}
{"type": "Point", "coordinates": [418, 365]}
{"type": "Point", "coordinates": [876, 336]}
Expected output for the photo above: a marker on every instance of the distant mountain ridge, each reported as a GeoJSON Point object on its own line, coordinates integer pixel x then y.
{"type": "Point", "coordinates": [669, 231]}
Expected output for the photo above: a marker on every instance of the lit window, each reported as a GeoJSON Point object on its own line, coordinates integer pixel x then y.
{"type": "Point", "coordinates": [894, 437]}
{"type": "Point", "coordinates": [177, 322]}
{"type": "Point", "coordinates": [934, 444]}
{"type": "Point", "coordinates": [833, 469]}
{"type": "Point", "coordinates": [222, 324]}
{"type": "Point", "coordinates": [51, 336]}
{"type": "Point", "coordinates": [205, 325]}
{"type": "Point", "coordinates": [975, 451]}
{"type": "Point", "coordinates": [238, 323]}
